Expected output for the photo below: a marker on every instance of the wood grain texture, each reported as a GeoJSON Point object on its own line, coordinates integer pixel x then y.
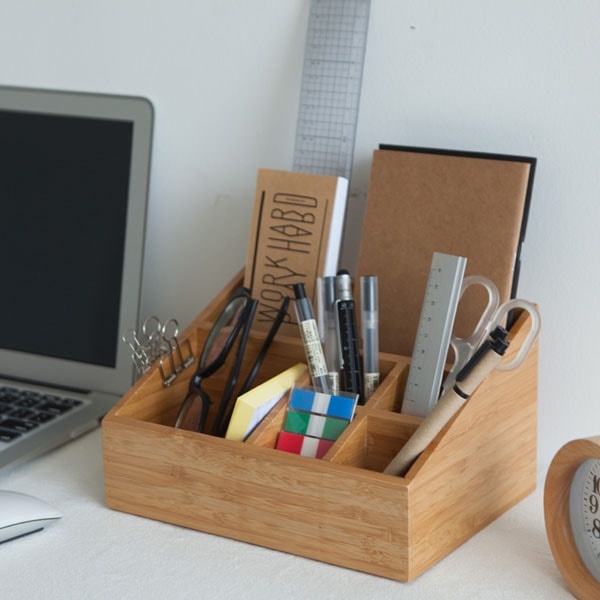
{"type": "Point", "coordinates": [556, 514]}
{"type": "Point", "coordinates": [341, 509]}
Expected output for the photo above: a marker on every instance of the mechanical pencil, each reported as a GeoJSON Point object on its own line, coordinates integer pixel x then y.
{"type": "Point", "coordinates": [328, 328]}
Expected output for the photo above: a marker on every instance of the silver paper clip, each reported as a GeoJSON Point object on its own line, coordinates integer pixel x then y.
{"type": "Point", "coordinates": [159, 342]}
{"type": "Point", "coordinates": [139, 354]}
{"type": "Point", "coordinates": [174, 353]}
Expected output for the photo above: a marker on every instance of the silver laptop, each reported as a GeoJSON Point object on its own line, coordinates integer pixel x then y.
{"type": "Point", "coordinates": [74, 171]}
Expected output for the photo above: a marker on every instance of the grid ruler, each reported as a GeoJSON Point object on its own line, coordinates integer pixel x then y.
{"type": "Point", "coordinates": [330, 88]}
{"type": "Point", "coordinates": [433, 334]}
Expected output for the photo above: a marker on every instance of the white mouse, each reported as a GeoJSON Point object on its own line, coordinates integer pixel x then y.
{"type": "Point", "coordinates": [21, 514]}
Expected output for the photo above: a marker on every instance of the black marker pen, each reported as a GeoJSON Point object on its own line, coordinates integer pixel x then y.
{"type": "Point", "coordinates": [348, 337]}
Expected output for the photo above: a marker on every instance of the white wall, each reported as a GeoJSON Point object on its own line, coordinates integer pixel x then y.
{"type": "Point", "coordinates": [516, 77]}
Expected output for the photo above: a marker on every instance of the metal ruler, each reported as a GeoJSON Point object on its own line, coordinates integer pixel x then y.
{"type": "Point", "coordinates": [433, 334]}
{"type": "Point", "coordinates": [330, 89]}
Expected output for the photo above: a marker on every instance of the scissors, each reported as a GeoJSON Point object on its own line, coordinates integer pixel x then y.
{"type": "Point", "coordinates": [494, 314]}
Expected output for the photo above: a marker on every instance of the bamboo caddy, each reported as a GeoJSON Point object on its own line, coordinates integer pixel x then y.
{"type": "Point", "coordinates": [341, 509]}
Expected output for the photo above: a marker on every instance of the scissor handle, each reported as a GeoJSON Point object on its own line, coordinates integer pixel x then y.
{"type": "Point", "coordinates": [465, 347]}
{"type": "Point", "coordinates": [500, 318]}
{"type": "Point", "coordinates": [488, 312]}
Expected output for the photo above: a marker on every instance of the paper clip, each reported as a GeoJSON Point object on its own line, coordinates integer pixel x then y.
{"type": "Point", "coordinates": [141, 358]}
{"type": "Point", "coordinates": [176, 360]}
{"type": "Point", "coordinates": [152, 329]}
{"type": "Point", "coordinates": [159, 342]}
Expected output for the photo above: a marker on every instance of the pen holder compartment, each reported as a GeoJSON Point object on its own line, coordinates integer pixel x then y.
{"type": "Point", "coordinates": [373, 440]}
{"type": "Point", "coordinates": [482, 463]}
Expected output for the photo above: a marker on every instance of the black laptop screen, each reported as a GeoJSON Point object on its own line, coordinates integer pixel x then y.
{"type": "Point", "coordinates": [64, 185]}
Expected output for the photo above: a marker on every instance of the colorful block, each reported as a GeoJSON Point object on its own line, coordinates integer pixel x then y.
{"type": "Point", "coordinates": [328, 428]}
{"type": "Point", "coordinates": [342, 407]}
{"type": "Point", "coordinates": [303, 445]}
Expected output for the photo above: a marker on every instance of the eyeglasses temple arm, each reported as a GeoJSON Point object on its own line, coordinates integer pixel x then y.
{"type": "Point", "coordinates": [235, 370]}
{"type": "Point", "coordinates": [266, 345]}
{"type": "Point", "coordinates": [261, 355]}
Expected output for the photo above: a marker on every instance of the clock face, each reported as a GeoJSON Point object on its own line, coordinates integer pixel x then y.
{"type": "Point", "coordinates": [584, 510]}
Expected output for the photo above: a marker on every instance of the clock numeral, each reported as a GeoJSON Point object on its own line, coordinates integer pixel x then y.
{"type": "Point", "coordinates": [593, 504]}
{"type": "Point", "coordinates": [596, 484]}
{"type": "Point", "coordinates": [596, 529]}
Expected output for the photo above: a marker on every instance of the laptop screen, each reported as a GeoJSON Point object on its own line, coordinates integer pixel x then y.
{"type": "Point", "coordinates": [73, 189]}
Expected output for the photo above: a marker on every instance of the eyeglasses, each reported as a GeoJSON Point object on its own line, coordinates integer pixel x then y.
{"type": "Point", "coordinates": [234, 321]}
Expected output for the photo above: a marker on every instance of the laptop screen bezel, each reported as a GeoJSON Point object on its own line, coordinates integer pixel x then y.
{"type": "Point", "coordinates": [69, 374]}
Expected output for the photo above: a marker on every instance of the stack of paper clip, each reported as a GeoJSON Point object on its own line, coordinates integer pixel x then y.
{"type": "Point", "coordinates": [314, 421]}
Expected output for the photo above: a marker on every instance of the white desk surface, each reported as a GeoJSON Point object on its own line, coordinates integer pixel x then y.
{"type": "Point", "coordinates": [95, 552]}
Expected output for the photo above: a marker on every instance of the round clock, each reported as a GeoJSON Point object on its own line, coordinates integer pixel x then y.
{"type": "Point", "coordinates": [572, 515]}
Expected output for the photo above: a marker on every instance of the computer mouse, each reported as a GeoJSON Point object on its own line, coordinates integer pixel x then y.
{"type": "Point", "coordinates": [21, 514]}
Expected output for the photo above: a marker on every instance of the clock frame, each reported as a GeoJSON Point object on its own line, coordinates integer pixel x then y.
{"type": "Point", "coordinates": [557, 492]}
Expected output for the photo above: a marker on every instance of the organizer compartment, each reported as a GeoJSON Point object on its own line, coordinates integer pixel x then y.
{"type": "Point", "coordinates": [373, 440]}
{"type": "Point", "coordinates": [340, 509]}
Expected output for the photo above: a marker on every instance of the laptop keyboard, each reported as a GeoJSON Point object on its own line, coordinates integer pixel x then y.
{"type": "Point", "coordinates": [23, 411]}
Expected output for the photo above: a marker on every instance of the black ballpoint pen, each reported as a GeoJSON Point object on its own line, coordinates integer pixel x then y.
{"type": "Point", "coordinates": [482, 363]}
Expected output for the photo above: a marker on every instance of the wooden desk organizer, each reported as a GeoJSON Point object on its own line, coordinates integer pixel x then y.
{"type": "Point", "coordinates": [341, 509]}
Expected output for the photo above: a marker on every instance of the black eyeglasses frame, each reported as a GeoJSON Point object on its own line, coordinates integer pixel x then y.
{"type": "Point", "coordinates": [242, 326]}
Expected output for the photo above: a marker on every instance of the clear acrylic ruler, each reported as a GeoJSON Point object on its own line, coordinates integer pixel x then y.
{"type": "Point", "coordinates": [433, 334]}
{"type": "Point", "coordinates": [330, 88]}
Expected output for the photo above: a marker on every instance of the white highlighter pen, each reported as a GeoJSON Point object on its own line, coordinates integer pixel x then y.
{"type": "Point", "coordinates": [369, 302]}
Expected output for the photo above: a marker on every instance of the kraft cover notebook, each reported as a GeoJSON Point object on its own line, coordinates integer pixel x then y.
{"type": "Point", "coordinates": [422, 201]}
{"type": "Point", "coordinates": [296, 235]}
